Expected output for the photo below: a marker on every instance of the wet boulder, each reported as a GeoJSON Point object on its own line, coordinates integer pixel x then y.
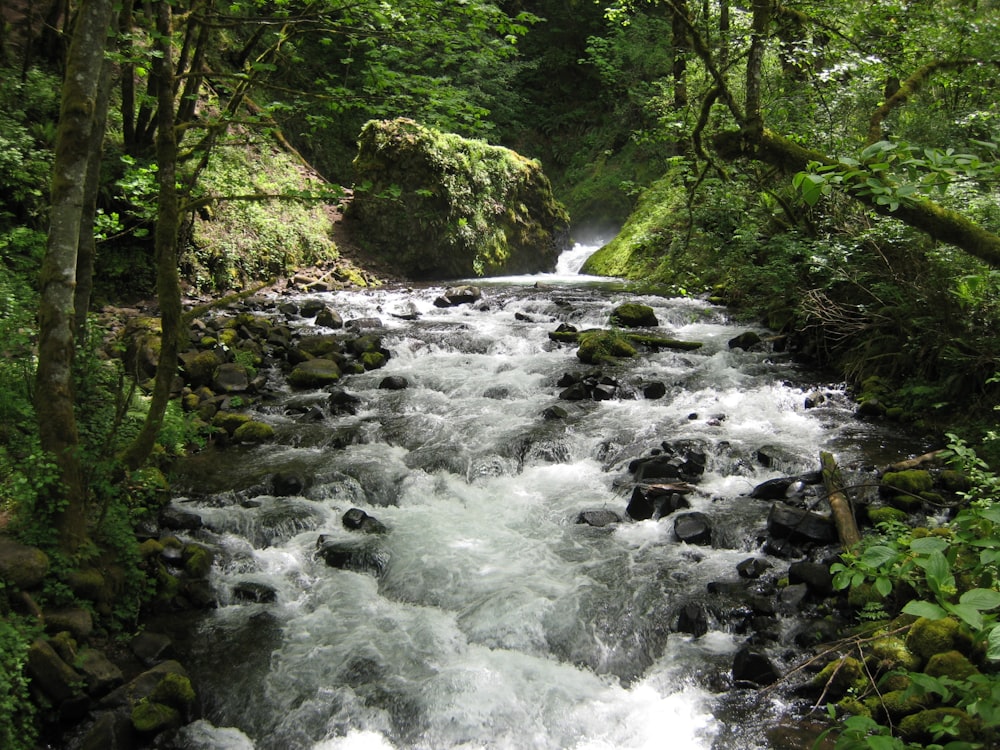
{"type": "Point", "coordinates": [394, 383]}
{"type": "Point", "coordinates": [693, 528]}
{"type": "Point", "coordinates": [20, 565]}
{"type": "Point", "coordinates": [815, 576]}
{"type": "Point", "coordinates": [795, 524]}
{"type": "Point", "coordinates": [752, 665]}
{"type": "Point", "coordinates": [655, 501]}
{"type": "Point", "coordinates": [254, 592]}
{"type": "Point", "coordinates": [356, 519]}
{"type": "Point", "coordinates": [231, 377]}
{"type": "Point", "coordinates": [342, 402]}
{"type": "Point", "coordinates": [746, 341]}
{"type": "Point", "coordinates": [634, 315]}
{"type": "Point", "coordinates": [328, 318]}
{"type": "Point", "coordinates": [459, 295]}
{"type": "Point", "coordinates": [598, 518]}
{"type": "Point", "coordinates": [460, 208]}
{"type": "Point", "coordinates": [358, 555]}
{"type": "Point", "coordinates": [782, 488]}
{"type": "Point", "coordinates": [314, 373]}
{"type": "Point", "coordinates": [693, 620]}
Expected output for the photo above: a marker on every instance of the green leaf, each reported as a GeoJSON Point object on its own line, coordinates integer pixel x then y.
{"type": "Point", "coordinates": [883, 586]}
{"type": "Point", "coordinates": [928, 544]}
{"type": "Point", "coordinates": [993, 644]}
{"type": "Point", "coordinates": [981, 599]}
{"type": "Point", "coordinates": [969, 615]}
{"type": "Point", "coordinates": [878, 555]}
{"type": "Point", "coordinates": [929, 610]}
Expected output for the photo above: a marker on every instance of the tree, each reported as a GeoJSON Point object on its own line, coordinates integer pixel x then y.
{"type": "Point", "coordinates": [74, 158]}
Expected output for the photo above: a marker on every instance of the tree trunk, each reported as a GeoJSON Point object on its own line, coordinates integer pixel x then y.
{"type": "Point", "coordinates": [56, 319]}
{"type": "Point", "coordinates": [168, 215]}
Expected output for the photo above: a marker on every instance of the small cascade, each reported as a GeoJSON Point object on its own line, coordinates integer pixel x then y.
{"type": "Point", "coordinates": [483, 613]}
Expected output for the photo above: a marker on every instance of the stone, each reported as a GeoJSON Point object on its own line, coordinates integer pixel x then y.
{"type": "Point", "coordinates": [654, 391]}
{"type": "Point", "coordinates": [555, 412]}
{"type": "Point", "coordinates": [314, 373]}
{"type": "Point", "coordinates": [151, 718]}
{"type": "Point", "coordinates": [310, 308]}
{"type": "Point", "coordinates": [656, 501]}
{"type": "Point", "coordinates": [356, 519]}
{"type": "Point", "coordinates": [781, 488]}
{"type": "Point", "coordinates": [754, 666]}
{"type": "Point", "coordinates": [693, 620]}
{"type": "Point", "coordinates": [231, 377]}
{"type": "Point", "coordinates": [360, 556]}
{"type": "Point", "coordinates": [815, 576]}
{"type": "Point", "coordinates": [56, 679]}
{"type": "Point", "coordinates": [111, 730]}
{"type": "Point", "coordinates": [22, 566]}
{"type": "Point", "coordinates": [459, 295]}
{"type": "Point", "coordinates": [100, 673]}
{"type": "Point", "coordinates": [394, 383]}
{"type": "Point", "coordinates": [178, 519]}
{"type": "Point", "coordinates": [253, 432]}
{"type": "Point", "coordinates": [784, 521]}
{"type": "Point", "coordinates": [329, 318]}
{"type": "Point", "coordinates": [76, 620]}
{"type": "Point", "coordinates": [255, 592]}
{"type": "Point", "coordinates": [634, 315]}
{"type": "Point", "coordinates": [753, 567]}
{"type": "Point", "coordinates": [746, 341]}
{"type": "Point", "coordinates": [462, 208]}
{"type": "Point", "coordinates": [598, 518]}
{"type": "Point", "coordinates": [342, 402]}
{"type": "Point", "coordinates": [151, 648]}
{"type": "Point", "coordinates": [693, 528]}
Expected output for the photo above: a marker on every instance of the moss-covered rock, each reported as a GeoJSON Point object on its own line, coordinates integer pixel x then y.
{"type": "Point", "coordinates": [885, 514]}
{"type": "Point", "coordinates": [634, 315]}
{"type": "Point", "coordinates": [150, 717]}
{"type": "Point", "coordinates": [20, 565]}
{"type": "Point", "coordinates": [230, 421]}
{"type": "Point", "coordinates": [600, 346]}
{"type": "Point", "coordinates": [253, 432]}
{"type": "Point", "coordinates": [952, 664]}
{"type": "Point", "coordinates": [197, 560]}
{"type": "Point", "coordinates": [840, 677]}
{"type": "Point", "coordinates": [911, 481]}
{"type": "Point", "coordinates": [889, 653]}
{"type": "Point", "coordinates": [928, 637]}
{"type": "Point", "coordinates": [439, 206]}
{"type": "Point", "coordinates": [314, 373]}
{"type": "Point", "coordinates": [920, 727]}
{"type": "Point", "coordinates": [174, 689]}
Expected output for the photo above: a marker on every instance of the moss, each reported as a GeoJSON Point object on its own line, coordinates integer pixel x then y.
{"type": "Point", "coordinates": [920, 727]}
{"type": "Point", "coordinates": [230, 421]}
{"type": "Point", "coordinates": [314, 373]}
{"type": "Point", "coordinates": [149, 717]}
{"type": "Point", "coordinates": [197, 560]}
{"type": "Point", "coordinates": [888, 653]}
{"type": "Point", "coordinates": [633, 315]}
{"type": "Point", "coordinates": [841, 676]}
{"type": "Point", "coordinates": [253, 432]}
{"type": "Point", "coordinates": [373, 360]}
{"type": "Point", "coordinates": [602, 346]}
{"type": "Point", "coordinates": [853, 707]}
{"type": "Point", "coordinates": [175, 690]}
{"type": "Point", "coordinates": [150, 548]}
{"type": "Point", "coordinates": [897, 703]}
{"type": "Point", "coordinates": [952, 664]}
{"type": "Point", "coordinates": [928, 637]}
{"type": "Point", "coordinates": [886, 514]}
{"type": "Point", "coordinates": [228, 337]}
{"type": "Point", "coordinates": [911, 481]}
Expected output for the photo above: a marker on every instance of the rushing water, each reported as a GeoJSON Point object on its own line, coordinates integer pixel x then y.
{"type": "Point", "coordinates": [497, 621]}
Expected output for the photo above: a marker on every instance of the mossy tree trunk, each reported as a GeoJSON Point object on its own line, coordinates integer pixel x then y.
{"type": "Point", "coordinates": [168, 218]}
{"type": "Point", "coordinates": [56, 315]}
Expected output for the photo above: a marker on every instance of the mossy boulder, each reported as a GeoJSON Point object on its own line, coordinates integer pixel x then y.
{"type": "Point", "coordinates": [911, 481]}
{"type": "Point", "coordinates": [840, 677]}
{"type": "Point", "coordinates": [150, 717]}
{"type": "Point", "coordinates": [230, 421]}
{"type": "Point", "coordinates": [601, 346]}
{"type": "Point", "coordinates": [919, 727]}
{"type": "Point", "coordinates": [929, 637]}
{"type": "Point", "coordinates": [439, 206]}
{"type": "Point", "coordinates": [889, 653]}
{"type": "Point", "coordinates": [253, 432]}
{"type": "Point", "coordinates": [314, 373]}
{"type": "Point", "coordinates": [952, 664]}
{"type": "Point", "coordinates": [20, 565]}
{"type": "Point", "coordinates": [634, 315]}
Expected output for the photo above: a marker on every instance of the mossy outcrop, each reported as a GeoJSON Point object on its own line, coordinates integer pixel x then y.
{"type": "Point", "coordinates": [439, 206]}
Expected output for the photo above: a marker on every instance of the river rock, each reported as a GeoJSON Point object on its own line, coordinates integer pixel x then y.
{"type": "Point", "coordinates": [555, 412]}
{"type": "Point", "coordinates": [796, 524]}
{"type": "Point", "coordinates": [754, 666]}
{"type": "Point", "coordinates": [598, 518]}
{"type": "Point", "coordinates": [815, 576]}
{"type": "Point", "coordinates": [654, 391]}
{"type": "Point", "coordinates": [342, 402]}
{"type": "Point", "coordinates": [310, 308]}
{"type": "Point", "coordinates": [329, 318]}
{"type": "Point", "coordinates": [101, 674]}
{"type": "Point", "coordinates": [459, 295]}
{"type": "Point", "coordinates": [111, 730]}
{"type": "Point", "coordinates": [693, 528]}
{"type": "Point", "coordinates": [254, 592]}
{"type": "Point", "coordinates": [351, 554]}
{"type": "Point", "coordinates": [231, 377]}
{"type": "Point", "coordinates": [151, 648]}
{"type": "Point", "coordinates": [692, 619]}
{"type": "Point", "coordinates": [656, 501]}
{"type": "Point", "coordinates": [753, 567]}
{"type": "Point", "coordinates": [356, 519]}
{"type": "Point", "coordinates": [20, 565]}
{"type": "Point", "coordinates": [746, 341]}
{"type": "Point", "coordinates": [634, 315]}
{"type": "Point", "coordinates": [781, 488]}
{"type": "Point", "coordinates": [56, 679]}
{"type": "Point", "coordinates": [314, 373]}
{"type": "Point", "coordinates": [394, 383]}
{"type": "Point", "coordinates": [178, 519]}
{"type": "Point", "coordinates": [287, 483]}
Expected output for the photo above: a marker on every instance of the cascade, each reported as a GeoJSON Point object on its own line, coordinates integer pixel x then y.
{"type": "Point", "coordinates": [484, 615]}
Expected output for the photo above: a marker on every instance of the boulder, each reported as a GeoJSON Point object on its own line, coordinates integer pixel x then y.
{"type": "Point", "coordinates": [693, 620]}
{"type": "Point", "coordinates": [231, 377]}
{"type": "Point", "coordinates": [752, 665]}
{"type": "Point", "coordinates": [314, 373]}
{"type": "Point", "coordinates": [598, 518]}
{"type": "Point", "coordinates": [634, 315]}
{"type": "Point", "coordinates": [656, 501]}
{"type": "Point", "coordinates": [358, 555]}
{"type": "Point", "coordinates": [342, 402]}
{"type": "Point", "coordinates": [746, 341]}
{"type": "Point", "coordinates": [654, 391]}
{"type": "Point", "coordinates": [815, 576]}
{"type": "Point", "coordinates": [329, 318]}
{"type": "Point", "coordinates": [693, 528]}
{"type": "Point", "coordinates": [459, 295]}
{"type": "Point", "coordinates": [253, 432]}
{"type": "Point", "coordinates": [796, 524]}
{"type": "Point", "coordinates": [458, 208]}
{"type": "Point", "coordinates": [20, 565]}
{"type": "Point", "coordinates": [394, 383]}
{"type": "Point", "coordinates": [753, 567]}
{"type": "Point", "coordinates": [357, 520]}
{"type": "Point", "coordinates": [254, 592]}
{"type": "Point", "coordinates": [56, 679]}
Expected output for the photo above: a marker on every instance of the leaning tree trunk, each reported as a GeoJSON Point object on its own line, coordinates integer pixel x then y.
{"type": "Point", "coordinates": [54, 400]}
{"type": "Point", "coordinates": [168, 214]}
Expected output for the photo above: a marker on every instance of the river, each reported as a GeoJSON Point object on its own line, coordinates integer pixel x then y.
{"type": "Point", "coordinates": [490, 618]}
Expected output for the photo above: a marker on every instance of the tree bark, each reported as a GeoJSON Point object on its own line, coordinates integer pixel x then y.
{"type": "Point", "coordinates": [843, 516]}
{"type": "Point", "coordinates": [56, 315]}
{"type": "Point", "coordinates": [168, 215]}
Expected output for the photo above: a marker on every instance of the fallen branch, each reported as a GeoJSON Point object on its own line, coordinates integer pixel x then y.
{"type": "Point", "coordinates": [843, 515]}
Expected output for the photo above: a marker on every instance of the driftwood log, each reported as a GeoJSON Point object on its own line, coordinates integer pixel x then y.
{"type": "Point", "coordinates": [843, 515]}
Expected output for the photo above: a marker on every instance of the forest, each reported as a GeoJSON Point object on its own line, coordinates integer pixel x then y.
{"type": "Point", "coordinates": [829, 169]}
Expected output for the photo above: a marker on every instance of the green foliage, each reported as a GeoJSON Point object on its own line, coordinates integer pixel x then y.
{"type": "Point", "coordinates": [257, 227]}
{"type": "Point", "coordinates": [17, 710]}
{"type": "Point", "coordinates": [950, 576]}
